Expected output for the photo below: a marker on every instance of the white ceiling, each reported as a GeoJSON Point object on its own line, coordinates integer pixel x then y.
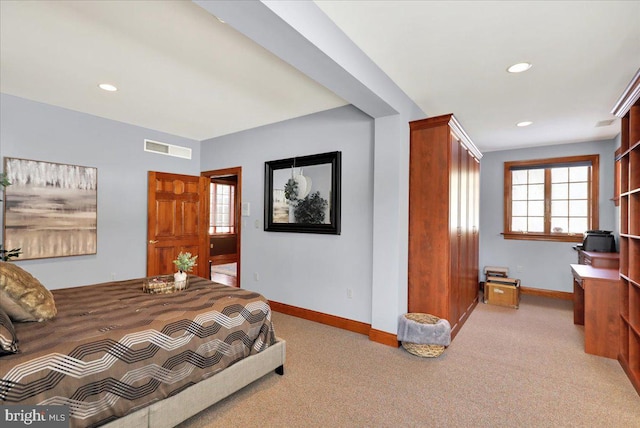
{"type": "Point", "coordinates": [181, 71]}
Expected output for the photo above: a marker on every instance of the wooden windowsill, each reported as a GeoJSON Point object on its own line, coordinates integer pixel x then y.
{"type": "Point", "coordinates": [542, 237]}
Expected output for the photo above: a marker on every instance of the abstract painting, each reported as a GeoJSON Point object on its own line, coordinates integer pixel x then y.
{"type": "Point", "coordinates": [50, 209]}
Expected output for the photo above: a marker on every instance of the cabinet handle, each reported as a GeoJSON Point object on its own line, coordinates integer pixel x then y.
{"type": "Point", "coordinates": [151, 241]}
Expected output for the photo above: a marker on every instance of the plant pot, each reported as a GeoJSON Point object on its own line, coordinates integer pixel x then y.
{"type": "Point", "coordinates": [180, 280]}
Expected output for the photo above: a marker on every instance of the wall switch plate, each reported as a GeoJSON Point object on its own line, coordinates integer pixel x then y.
{"type": "Point", "coordinates": [246, 209]}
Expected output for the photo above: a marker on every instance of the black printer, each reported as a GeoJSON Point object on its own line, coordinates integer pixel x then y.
{"type": "Point", "coordinates": [599, 240]}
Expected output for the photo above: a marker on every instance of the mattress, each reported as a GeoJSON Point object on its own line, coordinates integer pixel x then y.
{"type": "Point", "coordinates": [113, 349]}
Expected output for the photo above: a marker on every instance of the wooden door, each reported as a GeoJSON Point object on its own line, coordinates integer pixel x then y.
{"type": "Point", "coordinates": [176, 221]}
{"type": "Point", "coordinates": [472, 244]}
{"type": "Point", "coordinates": [464, 267]}
{"type": "Point", "coordinates": [475, 226]}
{"type": "Point", "coordinates": [455, 232]}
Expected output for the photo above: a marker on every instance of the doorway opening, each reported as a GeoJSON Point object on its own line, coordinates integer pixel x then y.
{"type": "Point", "coordinates": [224, 231]}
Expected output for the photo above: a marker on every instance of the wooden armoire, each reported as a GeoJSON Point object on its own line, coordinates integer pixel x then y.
{"type": "Point", "coordinates": [444, 186]}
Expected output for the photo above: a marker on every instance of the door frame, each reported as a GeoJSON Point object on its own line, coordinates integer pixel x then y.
{"type": "Point", "coordinates": [229, 172]}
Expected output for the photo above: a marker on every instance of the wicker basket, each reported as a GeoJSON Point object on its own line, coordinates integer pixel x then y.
{"type": "Point", "coordinates": [163, 284]}
{"type": "Point", "coordinates": [419, 349]}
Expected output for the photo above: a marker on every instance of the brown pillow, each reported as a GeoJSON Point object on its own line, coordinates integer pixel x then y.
{"type": "Point", "coordinates": [8, 338]}
{"type": "Point", "coordinates": [22, 296]}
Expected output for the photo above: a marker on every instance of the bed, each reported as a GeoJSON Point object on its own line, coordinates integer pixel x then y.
{"type": "Point", "coordinates": [119, 357]}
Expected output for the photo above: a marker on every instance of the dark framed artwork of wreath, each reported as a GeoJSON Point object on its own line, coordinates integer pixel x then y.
{"type": "Point", "coordinates": [302, 194]}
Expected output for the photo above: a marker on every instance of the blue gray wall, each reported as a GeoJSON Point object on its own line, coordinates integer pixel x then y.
{"type": "Point", "coordinates": [310, 271]}
{"type": "Point", "coordinates": [307, 270]}
{"type": "Point", "coordinates": [542, 264]}
{"type": "Point", "coordinates": [32, 130]}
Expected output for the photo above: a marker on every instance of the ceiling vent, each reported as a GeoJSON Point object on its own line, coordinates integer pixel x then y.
{"type": "Point", "coordinates": [167, 149]}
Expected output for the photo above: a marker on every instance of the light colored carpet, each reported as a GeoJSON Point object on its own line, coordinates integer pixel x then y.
{"type": "Point", "coordinates": [506, 368]}
{"type": "Point", "coordinates": [227, 269]}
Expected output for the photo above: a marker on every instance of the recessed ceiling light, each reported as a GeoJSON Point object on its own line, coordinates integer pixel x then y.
{"type": "Point", "coordinates": [523, 124]}
{"type": "Point", "coordinates": [107, 87]}
{"type": "Point", "coordinates": [519, 67]}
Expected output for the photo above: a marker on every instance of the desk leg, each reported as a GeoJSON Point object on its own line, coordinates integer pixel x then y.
{"type": "Point", "coordinates": [578, 303]}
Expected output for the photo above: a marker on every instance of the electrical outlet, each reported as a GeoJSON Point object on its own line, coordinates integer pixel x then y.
{"type": "Point", "coordinates": [113, 276]}
{"type": "Point", "coordinates": [519, 268]}
{"type": "Point", "coordinates": [256, 277]}
{"type": "Point", "coordinates": [349, 293]}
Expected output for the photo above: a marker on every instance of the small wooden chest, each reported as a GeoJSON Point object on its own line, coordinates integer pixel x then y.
{"type": "Point", "coordinates": [502, 294]}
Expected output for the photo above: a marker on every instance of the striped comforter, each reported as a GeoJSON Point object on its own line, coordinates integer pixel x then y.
{"type": "Point", "coordinates": [113, 349]}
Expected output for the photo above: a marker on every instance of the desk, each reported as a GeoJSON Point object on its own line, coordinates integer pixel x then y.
{"type": "Point", "coordinates": [598, 259]}
{"type": "Point", "coordinates": [596, 305]}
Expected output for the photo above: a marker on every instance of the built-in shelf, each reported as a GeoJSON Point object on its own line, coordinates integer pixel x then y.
{"type": "Point", "coordinates": [628, 109]}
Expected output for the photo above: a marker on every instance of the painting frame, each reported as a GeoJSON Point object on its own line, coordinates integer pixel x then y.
{"type": "Point", "coordinates": [50, 209]}
{"type": "Point", "coordinates": [303, 194]}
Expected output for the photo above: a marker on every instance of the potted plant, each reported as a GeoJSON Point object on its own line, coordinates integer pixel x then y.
{"type": "Point", "coordinates": [184, 263]}
{"type": "Point", "coordinates": [291, 190]}
{"type": "Point", "coordinates": [311, 210]}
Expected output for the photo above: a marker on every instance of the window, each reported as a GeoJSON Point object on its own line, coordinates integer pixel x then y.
{"type": "Point", "coordinates": [222, 210]}
{"type": "Point", "coordinates": [551, 199]}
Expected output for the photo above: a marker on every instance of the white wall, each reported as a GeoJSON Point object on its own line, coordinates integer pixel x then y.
{"type": "Point", "coordinates": [545, 265]}
{"type": "Point", "coordinates": [32, 130]}
{"type": "Point", "coordinates": [311, 271]}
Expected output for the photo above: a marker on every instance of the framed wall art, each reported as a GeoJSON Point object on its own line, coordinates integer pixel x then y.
{"type": "Point", "coordinates": [50, 209]}
{"type": "Point", "coordinates": [302, 194]}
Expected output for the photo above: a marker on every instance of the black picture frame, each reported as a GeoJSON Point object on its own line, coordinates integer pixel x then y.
{"type": "Point", "coordinates": [302, 194]}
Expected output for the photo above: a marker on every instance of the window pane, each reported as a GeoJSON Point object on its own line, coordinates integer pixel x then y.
{"type": "Point", "coordinates": [536, 176]}
{"type": "Point", "coordinates": [559, 175]}
{"type": "Point", "coordinates": [559, 191]}
{"type": "Point", "coordinates": [519, 208]}
{"type": "Point", "coordinates": [579, 173]}
{"type": "Point", "coordinates": [536, 208]}
{"type": "Point", "coordinates": [519, 193]}
{"type": "Point", "coordinates": [577, 224]}
{"type": "Point", "coordinates": [559, 224]}
{"type": "Point", "coordinates": [578, 190]}
{"type": "Point", "coordinates": [519, 177]}
{"type": "Point", "coordinates": [578, 208]}
{"type": "Point", "coordinates": [536, 191]}
{"type": "Point", "coordinates": [536, 224]}
{"type": "Point", "coordinates": [221, 208]}
{"type": "Point", "coordinates": [519, 224]}
{"type": "Point", "coordinates": [560, 209]}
